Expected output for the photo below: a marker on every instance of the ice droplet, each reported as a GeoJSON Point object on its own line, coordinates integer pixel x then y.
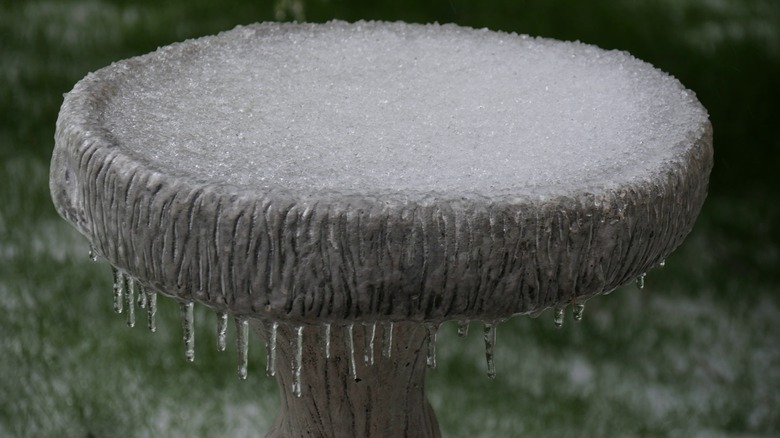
{"type": "Point", "coordinates": [387, 339]}
{"type": "Point", "coordinates": [129, 286]}
{"type": "Point", "coordinates": [119, 291]}
{"type": "Point", "coordinates": [579, 308]}
{"type": "Point", "coordinates": [296, 385]}
{"type": "Point", "coordinates": [432, 329]}
{"type": "Point", "coordinates": [558, 317]}
{"type": "Point", "coordinates": [92, 253]}
{"type": "Point", "coordinates": [186, 310]}
{"type": "Point", "coordinates": [270, 363]}
{"type": "Point", "coordinates": [222, 330]}
{"type": "Point", "coordinates": [490, 343]}
{"type": "Point", "coordinates": [326, 336]}
{"type": "Point", "coordinates": [151, 310]}
{"type": "Point", "coordinates": [349, 340]}
{"type": "Point", "coordinates": [463, 328]}
{"type": "Point", "coordinates": [369, 330]}
{"type": "Point", "coordinates": [640, 281]}
{"type": "Point", "coordinates": [242, 345]}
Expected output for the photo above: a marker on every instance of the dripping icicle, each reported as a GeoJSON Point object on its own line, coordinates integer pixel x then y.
{"type": "Point", "coordinates": [369, 334]}
{"type": "Point", "coordinates": [431, 328]}
{"type": "Point", "coordinates": [490, 343]}
{"type": "Point", "coordinates": [129, 287]}
{"type": "Point", "coordinates": [221, 331]}
{"type": "Point", "coordinates": [463, 328]}
{"type": "Point", "coordinates": [387, 339]}
{"type": "Point", "coordinates": [298, 363]}
{"type": "Point", "coordinates": [186, 310]}
{"type": "Point", "coordinates": [119, 291]}
{"type": "Point", "coordinates": [151, 309]}
{"type": "Point", "coordinates": [326, 336]}
{"type": "Point", "coordinates": [579, 309]}
{"type": "Point", "coordinates": [349, 340]}
{"type": "Point", "coordinates": [270, 364]}
{"type": "Point", "coordinates": [242, 346]}
{"type": "Point", "coordinates": [558, 317]}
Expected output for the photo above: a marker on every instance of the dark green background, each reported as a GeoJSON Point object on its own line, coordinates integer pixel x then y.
{"type": "Point", "coordinates": [696, 353]}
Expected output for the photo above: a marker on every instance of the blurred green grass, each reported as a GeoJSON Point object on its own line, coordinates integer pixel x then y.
{"type": "Point", "coordinates": [696, 353]}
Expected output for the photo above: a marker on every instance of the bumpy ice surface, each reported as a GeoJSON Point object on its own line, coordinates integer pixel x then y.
{"type": "Point", "coordinates": [387, 108]}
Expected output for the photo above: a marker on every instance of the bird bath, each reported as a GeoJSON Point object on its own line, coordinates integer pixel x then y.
{"type": "Point", "coordinates": [343, 189]}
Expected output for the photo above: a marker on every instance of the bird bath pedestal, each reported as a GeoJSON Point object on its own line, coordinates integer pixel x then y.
{"type": "Point", "coordinates": [345, 188]}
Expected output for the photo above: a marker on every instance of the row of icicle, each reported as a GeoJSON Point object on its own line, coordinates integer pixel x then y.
{"type": "Point", "coordinates": [125, 299]}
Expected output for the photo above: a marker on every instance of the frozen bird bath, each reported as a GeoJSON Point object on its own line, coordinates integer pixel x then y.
{"type": "Point", "coordinates": [345, 188]}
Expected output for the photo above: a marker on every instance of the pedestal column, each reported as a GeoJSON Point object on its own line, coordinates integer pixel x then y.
{"type": "Point", "coordinates": [345, 394]}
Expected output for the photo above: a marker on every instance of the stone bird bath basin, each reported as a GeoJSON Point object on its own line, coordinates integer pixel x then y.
{"type": "Point", "coordinates": [345, 188]}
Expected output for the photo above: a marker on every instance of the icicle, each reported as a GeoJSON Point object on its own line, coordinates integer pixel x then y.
{"type": "Point", "coordinates": [129, 286]}
{"type": "Point", "coordinates": [579, 308]}
{"type": "Point", "coordinates": [387, 339]}
{"type": "Point", "coordinates": [270, 363]}
{"type": "Point", "coordinates": [92, 253]}
{"type": "Point", "coordinates": [431, 328]}
{"type": "Point", "coordinates": [558, 317]}
{"type": "Point", "coordinates": [141, 297]}
{"type": "Point", "coordinates": [369, 330]}
{"type": "Point", "coordinates": [242, 345]}
{"type": "Point", "coordinates": [151, 310]}
{"type": "Point", "coordinates": [490, 343]}
{"type": "Point", "coordinates": [222, 330]}
{"type": "Point", "coordinates": [640, 282]}
{"type": "Point", "coordinates": [119, 283]}
{"type": "Point", "coordinates": [349, 340]}
{"type": "Point", "coordinates": [463, 328]}
{"type": "Point", "coordinates": [296, 385]}
{"type": "Point", "coordinates": [326, 337]}
{"type": "Point", "coordinates": [186, 311]}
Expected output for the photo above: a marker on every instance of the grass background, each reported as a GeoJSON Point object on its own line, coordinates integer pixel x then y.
{"type": "Point", "coordinates": [695, 354]}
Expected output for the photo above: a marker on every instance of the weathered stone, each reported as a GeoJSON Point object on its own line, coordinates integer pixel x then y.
{"type": "Point", "coordinates": [337, 256]}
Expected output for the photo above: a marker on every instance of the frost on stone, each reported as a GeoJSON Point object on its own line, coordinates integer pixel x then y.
{"type": "Point", "coordinates": [367, 174]}
{"type": "Point", "coordinates": [381, 171]}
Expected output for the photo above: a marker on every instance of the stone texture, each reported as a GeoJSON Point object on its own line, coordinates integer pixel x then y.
{"type": "Point", "coordinates": [307, 258]}
{"type": "Point", "coordinates": [386, 399]}
{"type": "Point", "coordinates": [334, 256]}
{"type": "Point", "coordinates": [298, 258]}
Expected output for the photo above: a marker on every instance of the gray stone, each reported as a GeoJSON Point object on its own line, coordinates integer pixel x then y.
{"type": "Point", "coordinates": [307, 257]}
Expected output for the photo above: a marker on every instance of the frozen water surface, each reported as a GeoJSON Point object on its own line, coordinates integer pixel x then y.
{"type": "Point", "coordinates": [377, 107]}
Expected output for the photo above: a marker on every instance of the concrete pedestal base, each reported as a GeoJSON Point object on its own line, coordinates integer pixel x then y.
{"type": "Point", "coordinates": [383, 399]}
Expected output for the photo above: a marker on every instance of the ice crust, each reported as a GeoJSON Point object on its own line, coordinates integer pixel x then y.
{"type": "Point", "coordinates": [372, 108]}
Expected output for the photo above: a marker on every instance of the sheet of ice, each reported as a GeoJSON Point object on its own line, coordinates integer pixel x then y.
{"type": "Point", "coordinates": [378, 107]}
